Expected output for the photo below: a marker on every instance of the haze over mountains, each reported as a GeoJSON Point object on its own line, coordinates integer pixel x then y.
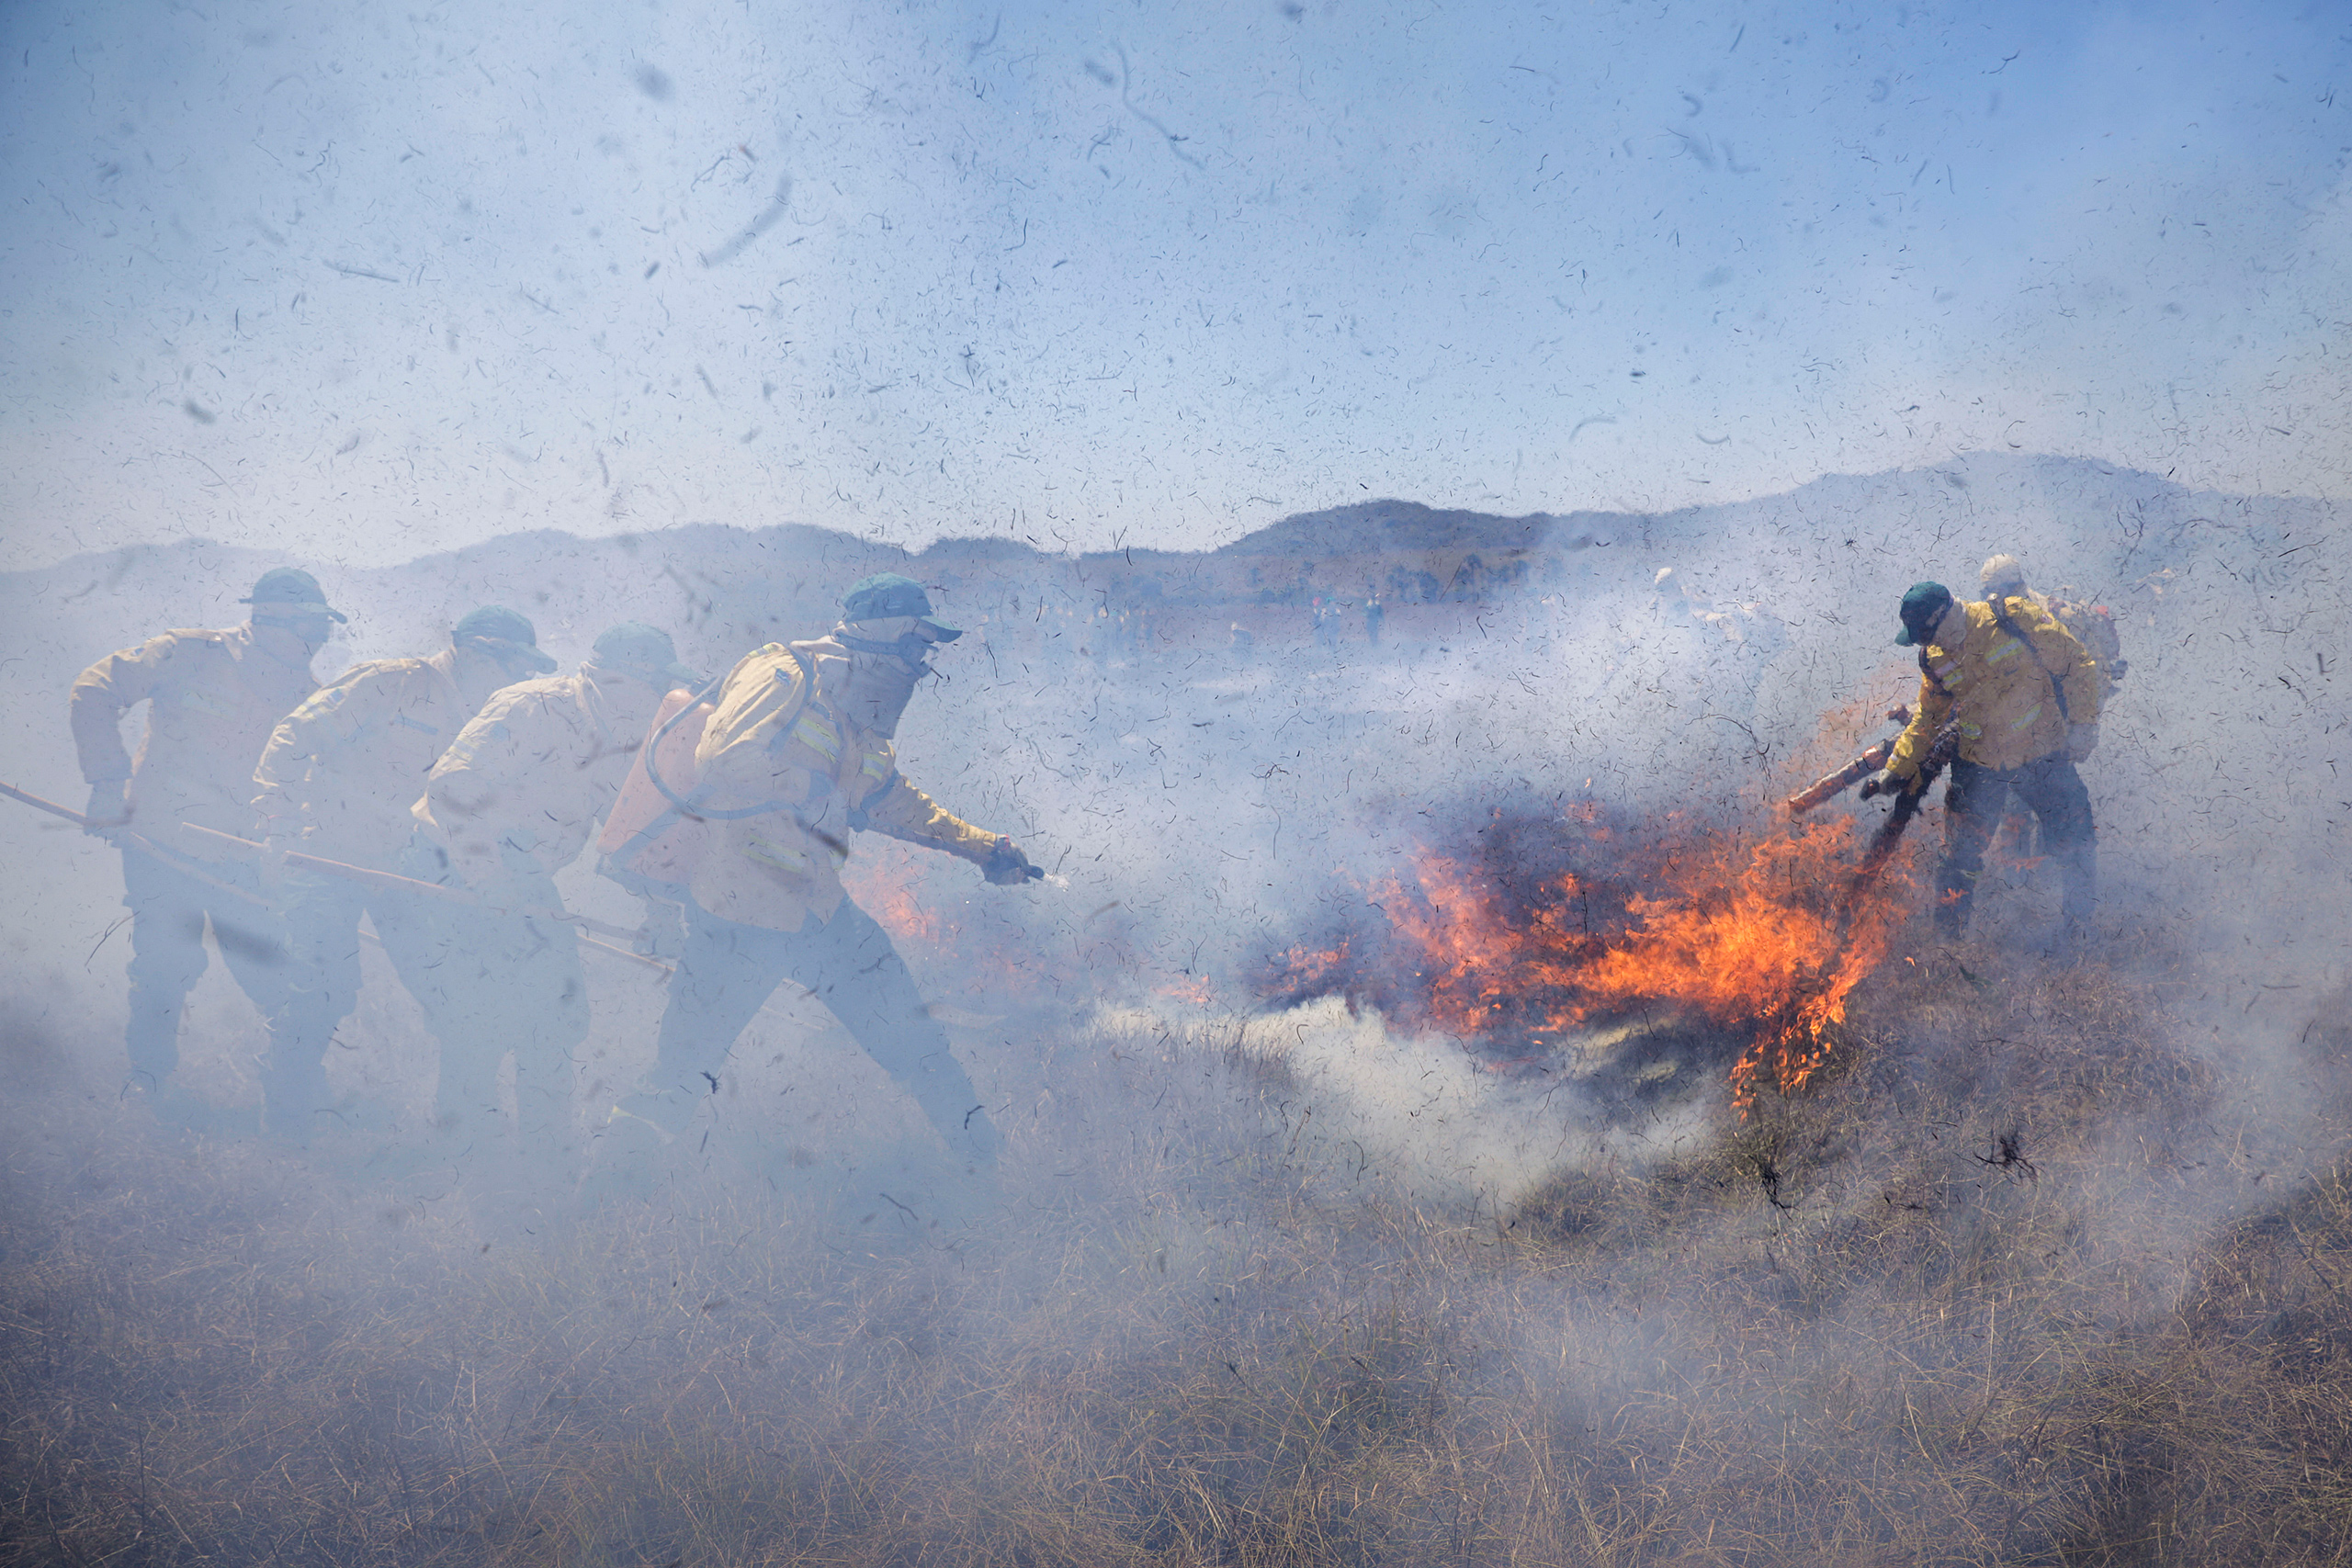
{"type": "Point", "coordinates": [1126, 711]}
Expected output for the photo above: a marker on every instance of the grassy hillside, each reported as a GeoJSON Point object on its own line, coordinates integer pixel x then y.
{"type": "Point", "coordinates": [2029, 1280]}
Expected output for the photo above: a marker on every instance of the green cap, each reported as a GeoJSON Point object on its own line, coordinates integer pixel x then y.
{"type": "Point", "coordinates": [286, 592]}
{"type": "Point", "coordinates": [886, 596]}
{"type": "Point", "coordinates": [643, 653]}
{"type": "Point", "coordinates": [1923, 606]}
{"type": "Point", "coordinates": [507, 636]}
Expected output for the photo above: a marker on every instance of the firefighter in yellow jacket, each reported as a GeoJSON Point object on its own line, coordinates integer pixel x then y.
{"type": "Point", "coordinates": [213, 698]}
{"type": "Point", "coordinates": [2026, 698]}
{"type": "Point", "coordinates": [513, 800]}
{"type": "Point", "coordinates": [795, 756]}
{"type": "Point", "coordinates": [339, 779]}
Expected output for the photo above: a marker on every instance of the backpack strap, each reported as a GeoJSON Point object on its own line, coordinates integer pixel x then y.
{"type": "Point", "coordinates": [690, 804]}
{"type": "Point", "coordinates": [2001, 616]}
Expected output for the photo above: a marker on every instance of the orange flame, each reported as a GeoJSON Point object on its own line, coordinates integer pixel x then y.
{"type": "Point", "coordinates": [1745, 932]}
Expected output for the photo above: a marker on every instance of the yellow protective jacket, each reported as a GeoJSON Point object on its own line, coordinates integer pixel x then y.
{"type": "Point", "coordinates": [531, 773]}
{"type": "Point", "coordinates": [215, 698]}
{"type": "Point", "coordinates": [772, 742]}
{"type": "Point", "coordinates": [343, 770]}
{"type": "Point", "coordinates": [2007, 708]}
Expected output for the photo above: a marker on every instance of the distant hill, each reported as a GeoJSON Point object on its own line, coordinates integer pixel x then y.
{"type": "Point", "coordinates": [1390, 524]}
{"type": "Point", "coordinates": [721, 587]}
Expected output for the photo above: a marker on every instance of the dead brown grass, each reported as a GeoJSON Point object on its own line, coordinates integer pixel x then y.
{"type": "Point", "coordinates": [2022, 1282]}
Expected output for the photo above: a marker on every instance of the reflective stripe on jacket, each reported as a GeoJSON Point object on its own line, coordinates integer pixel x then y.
{"type": "Point", "coordinates": [215, 698]}
{"type": "Point", "coordinates": [2008, 711]}
{"type": "Point", "coordinates": [822, 778]}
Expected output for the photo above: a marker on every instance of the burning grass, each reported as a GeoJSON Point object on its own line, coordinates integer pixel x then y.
{"type": "Point", "coordinates": [2015, 1278]}
{"type": "Point", "coordinates": [1545, 924]}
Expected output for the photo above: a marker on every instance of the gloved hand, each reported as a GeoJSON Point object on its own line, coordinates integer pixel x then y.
{"type": "Point", "coordinates": [1881, 783]}
{"type": "Point", "coordinates": [271, 861]}
{"type": "Point", "coordinates": [1007, 867]}
{"type": "Point", "coordinates": [2081, 739]}
{"type": "Point", "coordinates": [106, 808]}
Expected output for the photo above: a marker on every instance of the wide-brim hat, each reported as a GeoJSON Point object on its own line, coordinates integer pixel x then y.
{"type": "Point", "coordinates": [644, 653]}
{"type": "Point", "coordinates": [289, 592]}
{"type": "Point", "coordinates": [886, 596]}
{"type": "Point", "coordinates": [506, 635]}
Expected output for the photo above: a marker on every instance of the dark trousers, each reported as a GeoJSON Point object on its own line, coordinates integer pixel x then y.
{"type": "Point", "coordinates": [1974, 805]}
{"type": "Point", "coordinates": [727, 973]}
{"type": "Point", "coordinates": [169, 908]}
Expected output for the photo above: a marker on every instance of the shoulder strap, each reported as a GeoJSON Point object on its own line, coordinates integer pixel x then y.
{"type": "Point", "coordinates": [689, 804]}
{"type": "Point", "coordinates": [2057, 689]}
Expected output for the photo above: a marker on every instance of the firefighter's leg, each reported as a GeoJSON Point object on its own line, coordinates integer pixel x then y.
{"type": "Point", "coordinates": [251, 936]}
{"type": "Point", "coordinates": [547, 1049]}
{"type": "Point", "coordinates": [321, 987]}
{"type": "Point", "coordinates": [724, 974]}
{"type": "Point", "coordinates": [2055, 789]}
{"type": "Point", "coordinates": [852, 966]}
{"type": "Point", "coordinates": [166, 961]}
{"type": "Point", "coordinates": [1973, 804]}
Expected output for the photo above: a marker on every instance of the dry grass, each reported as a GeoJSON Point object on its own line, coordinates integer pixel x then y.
{"type": "Point", "coordinates": [2021, 1282]}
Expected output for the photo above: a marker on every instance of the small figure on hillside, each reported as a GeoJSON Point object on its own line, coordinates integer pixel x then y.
{"type": "Point", "coordinates": [1375, 612]}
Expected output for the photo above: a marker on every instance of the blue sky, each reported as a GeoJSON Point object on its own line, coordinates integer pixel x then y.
{"type": "Point", "coordinates": [359, 284]}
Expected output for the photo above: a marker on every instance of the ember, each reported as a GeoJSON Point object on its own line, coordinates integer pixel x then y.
{"type": "Point", "coordinates": [1552, 928]}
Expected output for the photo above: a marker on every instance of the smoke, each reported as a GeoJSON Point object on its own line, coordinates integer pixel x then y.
{"type": "Point", "coordinates": [1210, 1197]}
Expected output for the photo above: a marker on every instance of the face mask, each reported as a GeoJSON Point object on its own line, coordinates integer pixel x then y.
{"type": "Point", "coordinates": [311, 631]}
{"type": "Point", "coordinates": [881, 679]}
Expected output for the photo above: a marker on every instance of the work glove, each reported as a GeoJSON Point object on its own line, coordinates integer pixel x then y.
{"type": "Point", "coordinates": [1883, 783]}
{"type": "Point", "coordinates": [2081, 739]}
{"type": "Point", "coordinates": [1007, 867]}
{"type": "Point", "coordinates": [271, 861]}
{"type": "Point", "coordinates": [106, 809]}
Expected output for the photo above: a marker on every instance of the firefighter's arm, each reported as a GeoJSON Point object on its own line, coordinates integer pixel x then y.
{"type": "Point", "coordinates": [898, 810]}
{"type": "Point", "coordinates": [102, 695]}
{"type": "Point", "coordinates": [471, 793]}
{"type": "Point", "coordinates": [299, 749]}
{"type": "Point", "coordinates": [1935, 707]}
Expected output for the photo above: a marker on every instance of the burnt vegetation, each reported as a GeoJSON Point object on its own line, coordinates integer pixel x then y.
{"type": "Point", "coordinates": [2018, 1279]}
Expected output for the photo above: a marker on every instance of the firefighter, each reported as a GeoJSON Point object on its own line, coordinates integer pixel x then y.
{"type": "Point", "coordinates": [214, 697]}
{"type": "Point", "coordinates": [796, 752]}
{"type": "Point", "coordinates": [2091, 624]}
{"type": "Point", "coordinates": [2026, 696]}
{"type": "Point", "coordinates": [338, 780]}
{"type": "Point", "coordinates": [513, 800]}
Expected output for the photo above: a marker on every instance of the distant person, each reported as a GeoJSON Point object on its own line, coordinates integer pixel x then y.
{"type": "Point", "coordinates": [2025, 697]}
{"type": "Point", "coordinates": [796, 754]}
{"type": "Point", "coordinates": [1375, 612]}
{"type": "Point", "coordinates": [2091, 624]}
{"type": "Point", "coordinates": [338, 780]}
{"type": "Point", "coordinates": [214, 697]}
{"type": "Point", "coordinates": [513, 800]}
